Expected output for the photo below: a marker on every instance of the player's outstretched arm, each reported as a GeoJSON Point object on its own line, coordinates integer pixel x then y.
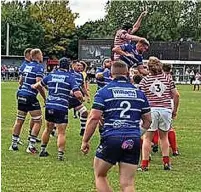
{"type": "Point", "coordinates": [137, 24]}
{"type": "Point", "coordinates": [92, 122]}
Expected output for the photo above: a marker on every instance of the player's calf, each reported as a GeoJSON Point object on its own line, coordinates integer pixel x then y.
{"type": "Point", "coordinates": [16, 130]}
{"type": "Point", "coordinates": [83, 119]}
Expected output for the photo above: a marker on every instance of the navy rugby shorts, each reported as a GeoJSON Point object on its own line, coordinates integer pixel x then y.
{"type": "Point", "coordinates": [56, 116]}
{"type": "Point", "coordinates": [28, 103]}
{"type": "Point", "coordinates": [125, 149]}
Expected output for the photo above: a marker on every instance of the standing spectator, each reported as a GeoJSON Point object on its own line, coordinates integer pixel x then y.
{"type": "Point", "coordinates": [197, 81]}
{"type": "Point", "coordinates": [4, 70]}
{"type": "Point", "coordinates": [192, 77]}
{"type": "Point", "coordinates": [187, 74]}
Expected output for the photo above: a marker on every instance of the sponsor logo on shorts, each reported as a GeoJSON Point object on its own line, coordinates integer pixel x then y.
{"type": "Point", "coordinates": [100, 149]}
{"type": "Point", "coordinates": [128, 144]}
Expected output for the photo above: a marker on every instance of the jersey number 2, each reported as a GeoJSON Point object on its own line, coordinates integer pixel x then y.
{"type": "Point", "coordinates": [127, 108]}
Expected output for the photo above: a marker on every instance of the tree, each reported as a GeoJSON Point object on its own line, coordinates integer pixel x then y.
{"type": "Point", "coordinates": [58, 22]}
{"type": "Point", "coordinates": [24, 30]}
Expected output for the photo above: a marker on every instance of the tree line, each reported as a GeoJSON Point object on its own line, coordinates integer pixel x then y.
{"type": "Point", "coordinates": [49, 25]}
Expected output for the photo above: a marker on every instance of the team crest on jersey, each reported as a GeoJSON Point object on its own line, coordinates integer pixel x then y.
{"type": "Point", "coordinates": [58, 78]}
{"type": "Point", "coordinates": [124, 92]}
{"type": "Point", "coordinates": [158, 88]}
{"type": "Point", "coordinates": [117, 124]}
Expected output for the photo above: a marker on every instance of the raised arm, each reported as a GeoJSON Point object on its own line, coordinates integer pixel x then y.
{"type": "Point", "coordinates": [137, 24]}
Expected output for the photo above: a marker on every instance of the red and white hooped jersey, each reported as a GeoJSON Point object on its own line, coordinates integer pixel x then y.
{"type": "Point", "coordinates": [158, 89]}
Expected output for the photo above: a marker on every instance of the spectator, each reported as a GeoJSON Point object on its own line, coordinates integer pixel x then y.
{"type": "Point", "coordinates": [192, 77]}
{"type": "Point", "coordinates": [197, 81]}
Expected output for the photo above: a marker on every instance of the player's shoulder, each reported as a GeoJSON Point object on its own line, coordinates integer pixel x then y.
{"type": "Point", "coordinates": [104, 90]}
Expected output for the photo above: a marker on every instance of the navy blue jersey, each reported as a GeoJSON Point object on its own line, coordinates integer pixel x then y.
{"type": "Point", "coordinates": [29, 72]}
{"type": "Point", "coordinates": [135, 60]}
{"type": "Point", "coordinates": [122, 105]}
{"type": "Point", "coordinates": [106, 77]}
{"type": "Point", "coordinates": [59, 84]}
{"type": "Point", "coordinates": [25, 62]}
{"type": "Point", "coordinates": [78, 78]}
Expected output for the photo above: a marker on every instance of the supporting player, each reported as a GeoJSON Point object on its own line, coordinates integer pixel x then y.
{"type": "Point", "coordinates": [122, 106]}
{"type": "Point", "coordinates": [27, 100]}
{"type": "Point", "coordinates": [159, 89]}
{"type": "Point", "coordinates": [124, 36]}
{"type": "Point", "coordinates": [103, 74]}
{"type": "Point", "coordinates": [131, 54]}
{"type": "Point", "coordinates": [86, 83]}
{"type": "Point", "coordinates": [59, 84]}
{"type": "Point", "coordinates": [167, 68]}
{"type": "Point", "coordinates": [74, 102]}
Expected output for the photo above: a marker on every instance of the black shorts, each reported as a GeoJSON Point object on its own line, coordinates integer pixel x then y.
{"type": "Point", "coordinates": [28, 103]}
{"type": "Point", "coordinates": [56, 116]}
{"type": "Point", "coordinates": [119, 149]}
{"type": "Point", "coordinates": [74, 102]}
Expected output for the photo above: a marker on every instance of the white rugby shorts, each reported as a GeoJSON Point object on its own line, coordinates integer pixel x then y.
{"type": "Point", "coordinates": [161, 119]}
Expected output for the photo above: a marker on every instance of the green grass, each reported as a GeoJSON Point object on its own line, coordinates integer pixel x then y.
{"type": "Point", "coordinates": [22, 172]}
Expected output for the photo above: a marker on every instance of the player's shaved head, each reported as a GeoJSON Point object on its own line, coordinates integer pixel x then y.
{"type": "Point", "coordinates": [27, 51]}
{"type": "Point", "coordinates": [119, 68]}
{"type": "Point", "coordinates": [27, 54]}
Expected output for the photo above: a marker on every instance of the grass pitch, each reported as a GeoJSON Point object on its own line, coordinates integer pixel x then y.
{"type": "Point", "coordinates": [22, 172]}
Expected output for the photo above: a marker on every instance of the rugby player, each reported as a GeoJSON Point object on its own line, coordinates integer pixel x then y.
{"type": "Point", "coordinates": [31, 72]}
{"type": "Point", "coordinates": [27, 60]}
{"type": "Point", "coordinates": [59, 85]}
{"type": "Point", "coordinates": [86, 83]}
{"type": "Point", "coordinates": [131, 54]}
{"type": "Point", "coordinates": [159, 89]}
{"type": "Point", "coordinates": [124, 35]}
{"type": "Point", "coordinates": [74, 102]}
{"type": "Point", "coordinates": [122, 106]}
{"type": "Point", "coordinates": [103, 74]}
